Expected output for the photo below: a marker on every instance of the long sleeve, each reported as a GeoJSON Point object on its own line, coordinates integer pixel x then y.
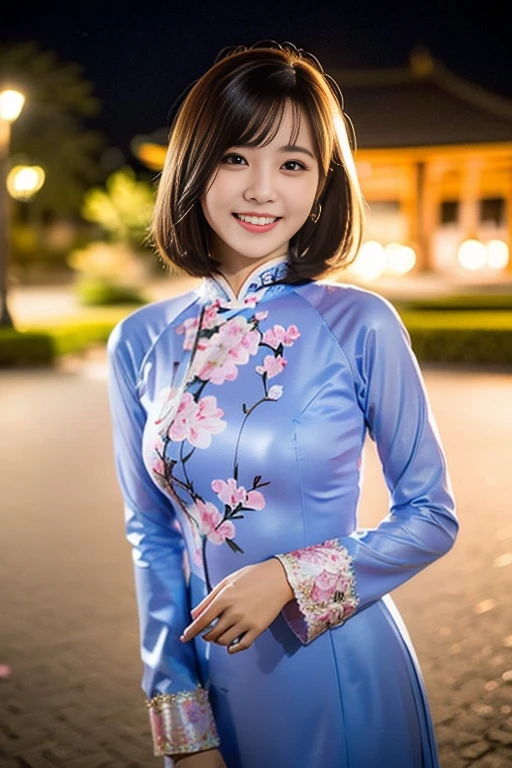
{"type": "Point", "coordinates": [180, 713]}
{"type": "Point", "coordinates": [331, 580]}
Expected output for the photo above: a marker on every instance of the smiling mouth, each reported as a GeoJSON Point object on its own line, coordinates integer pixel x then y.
{"type": "Point", "coordinates": [258, 220]}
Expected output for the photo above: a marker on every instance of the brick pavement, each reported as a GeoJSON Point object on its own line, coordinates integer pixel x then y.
{"type": "Point", "coordinates": [68, 627]}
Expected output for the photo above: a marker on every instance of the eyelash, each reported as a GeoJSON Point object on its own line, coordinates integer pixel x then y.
{"type": "Point", "coordinates": [302, 167]}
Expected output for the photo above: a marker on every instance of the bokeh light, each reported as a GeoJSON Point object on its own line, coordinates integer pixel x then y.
{"type": "Point", "coordinates": [371, 261]}
{"type": "Point", "coordinates": [400, 258]}
{"type": "Point", "coordinates": [497, 254]}
{"type": "Point", "coordinates": [472, 254]}
{"type": "Point", "coordinates": [11, 104]}
{"type": "Point", "coordinates": [23, 181]}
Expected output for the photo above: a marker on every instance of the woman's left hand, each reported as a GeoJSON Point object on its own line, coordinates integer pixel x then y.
{"type": "Point", "coordinates": [245, 603]}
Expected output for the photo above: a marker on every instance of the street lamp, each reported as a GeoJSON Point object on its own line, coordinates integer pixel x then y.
{"type": "Point", "coordinates": [23, 181]}
{"type": "Point", "coordinates": [11, 104]}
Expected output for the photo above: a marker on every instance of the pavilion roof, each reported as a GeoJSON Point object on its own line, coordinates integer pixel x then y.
{"type": "Point", "coordinates": [423, 104]}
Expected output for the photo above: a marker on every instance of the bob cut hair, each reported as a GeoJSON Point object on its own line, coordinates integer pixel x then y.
{"type": "Point", "coordinates": [240, 102]}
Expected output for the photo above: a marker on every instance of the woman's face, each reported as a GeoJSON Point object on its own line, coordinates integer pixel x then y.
{"type": "Point", "coordinates": [276, 184]}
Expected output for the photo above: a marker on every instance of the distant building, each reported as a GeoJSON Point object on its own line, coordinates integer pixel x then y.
{"type": "Point", "coordinates": [434, 159]}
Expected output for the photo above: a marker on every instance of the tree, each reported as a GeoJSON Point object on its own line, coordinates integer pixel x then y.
{"type": "Point", "coordinates": [123, 209]}
{"type": "Point", "coordinates": [51, 130]}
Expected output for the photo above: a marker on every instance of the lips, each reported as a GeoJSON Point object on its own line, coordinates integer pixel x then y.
{"type": "Point", "coordinates": [257, 228]}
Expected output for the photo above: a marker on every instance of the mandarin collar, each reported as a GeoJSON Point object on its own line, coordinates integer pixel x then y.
{"type": "Point", "coordinates": [263, 277]}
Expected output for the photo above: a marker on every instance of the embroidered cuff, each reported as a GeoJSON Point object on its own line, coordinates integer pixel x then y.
{"type": "Point", "coordinates": [182, 722]}
{"type": "Point", "coordinates": [323, 583]}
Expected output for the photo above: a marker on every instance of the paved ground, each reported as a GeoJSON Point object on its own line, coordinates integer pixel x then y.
{"type": "Point", "coordinates": [68, 628]}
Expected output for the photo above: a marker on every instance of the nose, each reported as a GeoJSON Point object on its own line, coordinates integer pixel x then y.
{"type": "Point", "coordinates": [260, 185]}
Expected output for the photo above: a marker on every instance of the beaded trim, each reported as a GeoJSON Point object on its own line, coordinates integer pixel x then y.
{"type": "Point", "coordinates": [182, 722]}
{"type": "Point", "coordinates": [323, 583]}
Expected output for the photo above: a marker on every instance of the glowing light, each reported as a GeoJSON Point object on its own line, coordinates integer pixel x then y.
{"type": "Point", "coordinates": [23, 181]}
{"type": "Point", "coordinates": [400, 258]}
{"type": "Point", "coordinates": [11, 104]}
{"type": "Point", "coordinates": [472, 254]}
{"type": "Point", "coordinates": [371, 261]}
{"type": "Point", "coordinates": [497, 254]}
{"type": "Point", "coordinates": [364, 169]}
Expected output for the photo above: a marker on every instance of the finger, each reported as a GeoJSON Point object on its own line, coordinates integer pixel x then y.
{"type": "Point", "coordinates": [205, 602]}
{"type": "Point", "coordinates": [234, 632]}
{"type": "Point", "coordinates": [245, 642]}
{"type": "Point", "coordinates": [201, 622]}
{"type": "Point", "coordinates": [223, 625]}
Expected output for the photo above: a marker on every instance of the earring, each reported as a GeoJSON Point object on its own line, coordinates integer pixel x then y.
{"type": "Point", "coordinates": [315, 215]}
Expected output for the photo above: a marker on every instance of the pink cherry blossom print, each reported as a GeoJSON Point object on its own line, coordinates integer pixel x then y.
{"type": "Point", "coordinates": [217, 357]}
{"type": "Point", "coordinates": [180, 428]}
{"type": "Point", "coordinates": [255, 500]}
{"type": "Point", "coordinates": [166, 410]}
{"type": "Point", "coordinates": [197, 422]}
{"type": "Point", "coordinates": [272, 366]}
{"type": "Point", "coordinates": [228, 492]}
{"type": "Point", "coordinates": [279, 335]}
{"type": "Point", "coordinates": [159, 468]}
{"type": "Point", "coordinates": [211, 523]}
{"type": "Point", "coordinates": [211, 315]}
{"type": "Point", "coordinates": [233, 495]}
{"type": "Point", "coordinates": [189, 329]}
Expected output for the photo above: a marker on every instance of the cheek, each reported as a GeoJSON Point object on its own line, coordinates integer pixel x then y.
{"type": "Point", "coordinates": [219, 193]}
{"type": "Point", "coordinates": [303, 198]}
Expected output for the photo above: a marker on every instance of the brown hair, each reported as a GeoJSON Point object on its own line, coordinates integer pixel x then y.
{"type": "Point", "coordinates": [241, 101]}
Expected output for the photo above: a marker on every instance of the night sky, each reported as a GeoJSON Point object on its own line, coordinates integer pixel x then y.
{"type": "Point", "coordinates": [141, 57]}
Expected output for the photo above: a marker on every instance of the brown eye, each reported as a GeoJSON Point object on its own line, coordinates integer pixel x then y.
{"type": "Point", "coordinates": [233, 159]}
{"type": "Point", "coordinates": [298, 166]}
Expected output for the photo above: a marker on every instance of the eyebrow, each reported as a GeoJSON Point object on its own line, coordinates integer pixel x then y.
{"type": "Point", "coordinates": [295, 148]}
{"type": "Point", "coordinates": [287, 148]}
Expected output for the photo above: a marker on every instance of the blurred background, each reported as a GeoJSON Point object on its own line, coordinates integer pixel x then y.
{"type": "Point", "coordinates": [85, 98]}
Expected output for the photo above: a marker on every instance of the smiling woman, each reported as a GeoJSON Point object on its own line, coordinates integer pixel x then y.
{"type": "Point", "coordinates": [258, 126]}
{"type": "Point", "coordinates": [261, 190]}
{"type": "Point", "coordinates": [240, 413]}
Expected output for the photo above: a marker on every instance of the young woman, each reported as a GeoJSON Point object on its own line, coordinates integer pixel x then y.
{"type": "Point", "coordinates": [240, 411]}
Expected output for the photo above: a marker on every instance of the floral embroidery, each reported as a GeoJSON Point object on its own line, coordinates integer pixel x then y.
{"type": "Point", "coordinates": [220, 341]}
{"type": "Point", "coordinates": [219, 355]}
{"type": "Point", "coordinates": [322, 580]}
{"type": "Point", "coordinates": [211, 523]}
{"type": "Point", "coordinates": [272, 366]}
{"type": "Point", "coordinates": [197, 421]}
{"type": "Point", "coordinates": [182, 722]}
{"type": "Point", "coordinates": [278, 335]}
{"type": "Point", "coordinates": [237, 497]}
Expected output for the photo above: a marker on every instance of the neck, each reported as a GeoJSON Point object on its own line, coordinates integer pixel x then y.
{"type": "Point", "coordinates": [236, 276]}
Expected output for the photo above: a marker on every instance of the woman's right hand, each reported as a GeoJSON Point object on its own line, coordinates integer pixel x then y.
{"type": "Point", "coordinates": [212, 758]}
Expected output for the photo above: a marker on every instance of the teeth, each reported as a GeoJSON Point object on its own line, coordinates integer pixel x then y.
{"type": "Point", "coordinates": [256, 219]}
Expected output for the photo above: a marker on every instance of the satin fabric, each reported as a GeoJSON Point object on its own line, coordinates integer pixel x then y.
{"type": "Point", "coordinates": [354, 696]}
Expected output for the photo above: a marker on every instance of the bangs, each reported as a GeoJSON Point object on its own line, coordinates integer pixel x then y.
{"type": "Point", "coordinates": [253, 120]}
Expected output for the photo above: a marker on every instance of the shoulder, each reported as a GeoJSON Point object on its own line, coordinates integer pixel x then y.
{"type": "Point", "coordinates": [134, 336]}
{"type": "Point", "coordinates": [350, 307]}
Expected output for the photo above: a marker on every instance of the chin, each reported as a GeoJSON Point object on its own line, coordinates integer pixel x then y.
{"type": "Point", "coordinates": [261, 252]}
